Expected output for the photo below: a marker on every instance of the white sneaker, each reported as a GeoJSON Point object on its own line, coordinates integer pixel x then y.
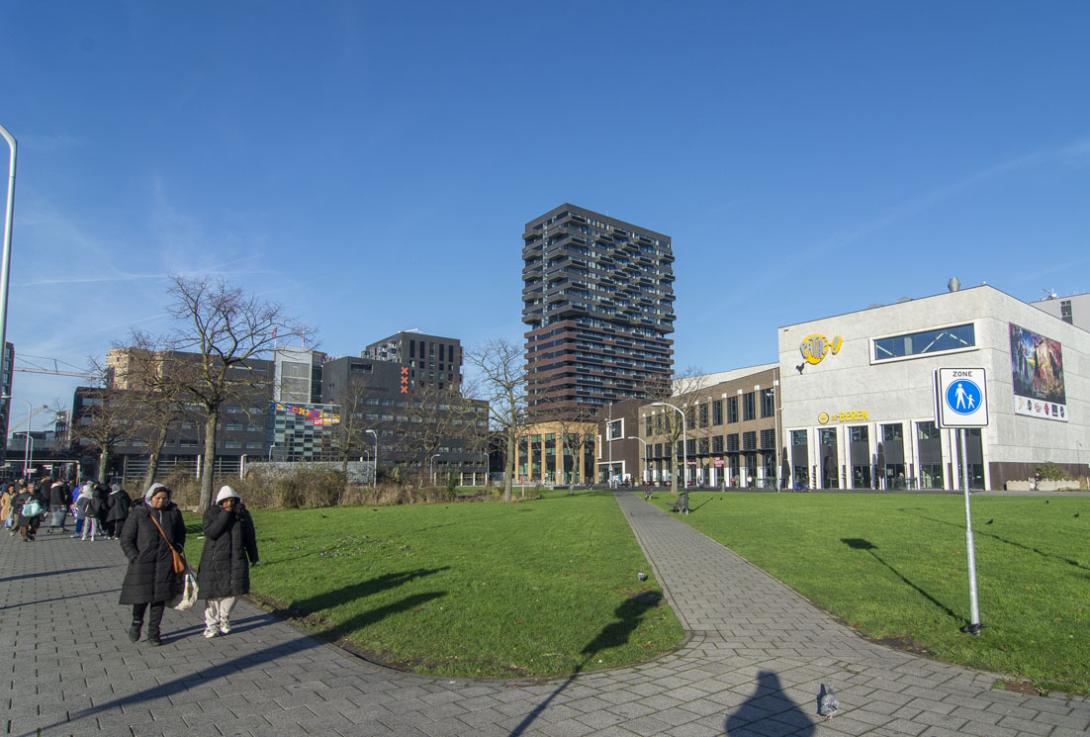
{"type": "Point", "coordinates": [225, 628]}
{"type": "Point", "coordinates": [209, 632]}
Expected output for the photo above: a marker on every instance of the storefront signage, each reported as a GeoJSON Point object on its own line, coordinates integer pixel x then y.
{"type": "Point", "coordinates": [815, 347]}
{"type": "Point", "coordinates": [851, 415]}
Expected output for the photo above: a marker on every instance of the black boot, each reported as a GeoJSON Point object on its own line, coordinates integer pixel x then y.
{"type": "Point", "coordinates": [153, 637]}
{"type": "Point", "coordinates": [134, 629]}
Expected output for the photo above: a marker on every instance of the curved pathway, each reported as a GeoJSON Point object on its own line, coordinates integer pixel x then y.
{"type": "Point", "coordinates": [752, 667]}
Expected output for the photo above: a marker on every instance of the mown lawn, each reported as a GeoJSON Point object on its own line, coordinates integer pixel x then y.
{"type": "Point", "coordinates": [894, 566]}
{"type": "Point", "coordinates": [480, 589]}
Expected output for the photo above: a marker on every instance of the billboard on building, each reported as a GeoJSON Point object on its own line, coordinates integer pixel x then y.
{"type": "Point", "coordinates": [1037, 370]}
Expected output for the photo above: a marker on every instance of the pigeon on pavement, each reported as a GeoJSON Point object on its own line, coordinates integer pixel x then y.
{"type": "Point", "coordinates": [828, 706]}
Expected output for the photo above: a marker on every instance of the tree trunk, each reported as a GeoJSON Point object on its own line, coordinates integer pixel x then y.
{"type": "Point", "coordinates": [153, 458]}
{"type": "Point", "coordinates": [103, 464]}
{"type": "Point", "coordinates": [209, 460]}
{"type": "Point", "coordinates": [673, 467]}
{"type": "Point", "coordinates": [509, 475]}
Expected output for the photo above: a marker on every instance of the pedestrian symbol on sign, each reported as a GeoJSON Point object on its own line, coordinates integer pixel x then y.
{"type": "Point", "coordinates": [963, 396]}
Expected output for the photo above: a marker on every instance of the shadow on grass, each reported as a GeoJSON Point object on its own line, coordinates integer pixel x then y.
{"type": "Point", "coordinates": [352, 592]}
{"type": "Point", "coordinates": [858, 543]}
{"type": "Point", "coordinates": [773, 712]}
{"type": "Point", "coordinates": [231, 667]}
{"type": "Point", "coordinates": [629, 615]}
{"type": "Point", "coordinates": [1013, 543]}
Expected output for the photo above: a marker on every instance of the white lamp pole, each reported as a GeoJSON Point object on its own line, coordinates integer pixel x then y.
{"type": "Point", "coordinates": [374, 476]}
{"type": "Point", "coordinates": [431, 468]}
{"type": "Point", "coordinates": [684, 442]}
{"type": "Point", "coordinates": [5, 265]}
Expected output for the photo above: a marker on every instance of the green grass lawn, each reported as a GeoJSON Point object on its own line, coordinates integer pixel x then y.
{"type": "Point", "coordinates": [479, 589]}
{"type": "Point", "coordinates": [894, 566]}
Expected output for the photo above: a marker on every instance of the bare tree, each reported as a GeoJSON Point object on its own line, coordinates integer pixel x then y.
{"type": "Point", "coordinates": [676, 393]}
{"type": "Point", "coordinates": [225, 329]}
{"type": "Point", "coordinates": [438, 418]}
{"type": "Point", "coordinates": [573, 439]}
{"type": "Point", "coordinates": [350, 434]}
{"type": "Point", "coordinates": [110, 419]}
{"type": "Point", "coordinates": [503, 373]}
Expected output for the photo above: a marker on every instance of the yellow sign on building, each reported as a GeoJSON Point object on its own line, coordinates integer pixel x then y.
{"type": "Point", "coordinates": [815, 347]}
{"type": "Point", "coordinates": [851, 415]}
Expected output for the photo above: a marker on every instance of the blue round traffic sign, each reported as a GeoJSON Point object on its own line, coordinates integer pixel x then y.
{"type": "Point", "coordinates": [963, 396]}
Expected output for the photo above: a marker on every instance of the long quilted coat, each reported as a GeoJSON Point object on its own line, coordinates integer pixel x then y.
{"type": "Point", "coordinates": [151, 576]}
{"type": "Point", "coordinates": [230, 545]}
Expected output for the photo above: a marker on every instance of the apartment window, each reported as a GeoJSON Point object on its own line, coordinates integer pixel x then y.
{"type": "Point", "coordinates": [1065, 311]}
{"type": "Point", "coordinates": [717, 412]}
{"type": "Point", "coordinates": [768, 402]}
{"type": "Point", "coordinates": [703, 415]}
{"type": "Point", "coordinates": [717, 444]}
{"type": "Point", "coordinates": [938, 340]}
{"type": "Point", "coordinates": [768, 439]}
{"type": "Point", "coordinates": [732, 443]}
{"type": "Point", "coordinates": [749, 440]}
{"type": "Point", "coordinates": [412, 349]}
{"type": "Point", "coordinates": [749, 406]}
{"type": "Point", "coordinates": [732, 410]}
{"type": "Point", "coordinates": [647, 425]}
{"type": "Point", "coordinates": [615, 430]}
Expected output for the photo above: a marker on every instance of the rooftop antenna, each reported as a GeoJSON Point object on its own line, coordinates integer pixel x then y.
{"type": "Point", "coordinates": [1050, 293]}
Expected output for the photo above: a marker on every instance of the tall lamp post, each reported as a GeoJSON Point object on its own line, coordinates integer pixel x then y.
{"type": "Point", "coordinates": [30, 412]}
{"type": "Point", "coordinates": [5, 265]}
{"type": "Point", "coordinates": [684, 442]}
{"type": "Point", "coordinates": [644, 444]}
{"type": "Point", "coordinates": [431, 467]}
{"type": "Point", "coordinates": [374, 476]}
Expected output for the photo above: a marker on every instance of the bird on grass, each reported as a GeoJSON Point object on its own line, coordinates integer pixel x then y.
{"type": "Point", "coordinates": [1076, 515]}
{"type": "Point", "coordinates": [642, 576]}
{"type": "Point", "coordinates": [990, 521]}
{"type": "Point", "coordinates": [828, 706]}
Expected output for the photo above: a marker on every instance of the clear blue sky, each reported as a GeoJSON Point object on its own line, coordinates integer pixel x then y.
{"type": "Point", "coordinates": [371, 165]}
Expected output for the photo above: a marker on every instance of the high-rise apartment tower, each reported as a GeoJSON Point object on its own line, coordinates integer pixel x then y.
{"type": "Point", "coordinates": [599, 299]}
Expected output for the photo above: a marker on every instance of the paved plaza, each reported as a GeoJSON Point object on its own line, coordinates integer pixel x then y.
{"type": "Point", "coordinates": [756, 655]}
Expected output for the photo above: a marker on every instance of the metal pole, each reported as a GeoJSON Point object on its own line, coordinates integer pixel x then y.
{"type": "Point", "coordinates": [26, 450]}
{"type": "Point", "coordinates": [5, 265]}
{"type": "Point", "coordinates": [374, 476]}
{"type": "Point", "coordinates": [974, 607]}
{"type": "Point", "coordinates": [30, 450]}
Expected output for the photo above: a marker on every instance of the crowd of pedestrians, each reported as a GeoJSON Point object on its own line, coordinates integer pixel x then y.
{"type": "Point", "coordinates": [152, 535]}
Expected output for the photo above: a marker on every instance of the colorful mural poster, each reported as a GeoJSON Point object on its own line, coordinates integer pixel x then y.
{"type": "Point", "coordinates": [1037, 370]}
{"type": "Point", "coordinates": [316, 416]}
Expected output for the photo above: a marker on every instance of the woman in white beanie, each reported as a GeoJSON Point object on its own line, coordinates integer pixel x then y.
{"type": "Point", "coordinates": [230, 546]}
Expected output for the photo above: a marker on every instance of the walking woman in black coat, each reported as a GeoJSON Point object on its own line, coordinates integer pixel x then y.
{"type": "Point", "coordinates": [230, 546]}
{"type": "Point", "coordinates": [150, 578]}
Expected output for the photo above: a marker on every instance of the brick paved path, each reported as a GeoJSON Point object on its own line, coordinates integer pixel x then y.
{"type": "Point", "coordinates": [751, 668]}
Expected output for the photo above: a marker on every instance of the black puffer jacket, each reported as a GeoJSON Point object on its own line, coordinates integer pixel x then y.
{"type": "Point", "coordinates": [150, 576]}
{"type": "Point", "coordinates": [118, 505]}
{"type": "Point", "coordinates": [230, 545]}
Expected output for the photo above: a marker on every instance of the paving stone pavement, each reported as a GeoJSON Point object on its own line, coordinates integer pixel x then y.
{"type": "Point", "coordinates": [752, 666]}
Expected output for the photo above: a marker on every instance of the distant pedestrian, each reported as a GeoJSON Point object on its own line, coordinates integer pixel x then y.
{"type": "Point", "coordinates": [7, 508]}
{"type": "Point", "coordinates": [30, 505]}
{"type": "Point", "coordinates": [117, 510]}
{"type": "Point", "coordinates": [230, 547]}
{"type": "Point", "coordinates": [101, 508]}
{"type": "Point", "coordinates": [58, 504]}
{"type": "Point", "coordinates": [85, 514]}
{"type": "Point", "coordinates": [152, 530]}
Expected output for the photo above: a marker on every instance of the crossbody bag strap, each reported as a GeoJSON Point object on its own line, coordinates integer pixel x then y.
{"type": "Point", "coordinates": [161, 532]}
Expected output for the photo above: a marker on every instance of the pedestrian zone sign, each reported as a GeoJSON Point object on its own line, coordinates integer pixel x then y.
{"type": "Point", "coordinates": [962, 397]}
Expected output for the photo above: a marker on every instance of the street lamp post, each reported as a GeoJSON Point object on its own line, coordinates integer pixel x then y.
{"type": "Point", "coordinates": [644, 443]}
{"type": "Point", "coordinates": [431, 467]}
{"type": "Point", "coordinates": [684, 442]}
{"type": "Point", "coordinates": [30, 412]}
{"type": "Point", "coordinates": [374, 476]}
{"type": "Point", "coordinates": [5, 265]}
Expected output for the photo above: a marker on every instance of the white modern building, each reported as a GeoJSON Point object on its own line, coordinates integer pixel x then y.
{"type": "Point", "coordinates": [1074, 308]}
{"type": "Point", "coordinates": [858, 404]}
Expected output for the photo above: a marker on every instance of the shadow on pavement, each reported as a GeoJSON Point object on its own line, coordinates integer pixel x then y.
{"type": "Point", "coordinates": [769, 712]}
{"type": "Point", "coordinates": [234, 666]}
{"type": "Point", "coordinates": [58, 598]}
{"type": "Point", "coordinates": [63, 572]}
{"type": "Point", "coordinates": [629, 615]}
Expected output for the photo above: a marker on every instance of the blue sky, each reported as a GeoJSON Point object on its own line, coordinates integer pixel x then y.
{"type": "Point", "coordinates": [371, 165]}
